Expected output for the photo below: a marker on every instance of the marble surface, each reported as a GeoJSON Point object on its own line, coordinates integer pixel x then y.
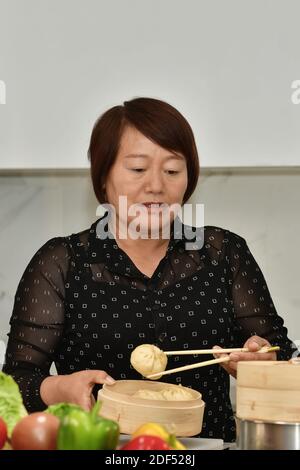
{"type": "Point", "coordinates": [259, 205]}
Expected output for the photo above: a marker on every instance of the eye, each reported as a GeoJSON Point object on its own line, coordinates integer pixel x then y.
{"type": "Point", "coordinates": [172, 172]}
{"type": "Point", "coordinates": [138, 170]}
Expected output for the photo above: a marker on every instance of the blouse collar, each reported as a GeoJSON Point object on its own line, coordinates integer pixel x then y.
{"type": "Point", "coordinates": [106, 249]}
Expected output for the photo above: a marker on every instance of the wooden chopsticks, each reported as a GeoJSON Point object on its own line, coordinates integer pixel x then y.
{"type": "Point", "coordinates": [184, 352]}
{"type": "Point", "coordinates": [264, 349]}
{"type": "Point", "coordinates": [191, 366]}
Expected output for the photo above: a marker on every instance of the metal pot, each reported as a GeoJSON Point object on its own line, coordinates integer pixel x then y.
{"type": "Point", "coordinates": [262, 435]}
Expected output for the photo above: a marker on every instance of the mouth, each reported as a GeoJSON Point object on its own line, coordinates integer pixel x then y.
{"type": "Point", "coordinates": [154, 207]}
{"type": "Point", "coordinates": [153, 204]}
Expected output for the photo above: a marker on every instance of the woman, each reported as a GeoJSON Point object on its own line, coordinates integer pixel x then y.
{"type": "Point", "coordinates": [86, 301]}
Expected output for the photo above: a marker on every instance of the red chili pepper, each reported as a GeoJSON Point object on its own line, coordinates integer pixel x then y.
{"type": "Point", "coordinates": [145, 442]}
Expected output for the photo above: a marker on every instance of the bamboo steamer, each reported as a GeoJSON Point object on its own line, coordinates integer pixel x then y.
{"type": "Point", "coordinates": [268, 391]}
{"type": "Point", "coordinates": [182, 418]}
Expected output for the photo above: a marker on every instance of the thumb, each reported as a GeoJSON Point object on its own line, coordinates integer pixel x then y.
{"type": "Point", "coordinates": [254, 343]}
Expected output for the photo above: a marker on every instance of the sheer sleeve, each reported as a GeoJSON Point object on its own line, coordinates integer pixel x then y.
{"type": "Point", "coordinates": [37, 321]}
{"type": "Point", "coordinates": [255, 312]}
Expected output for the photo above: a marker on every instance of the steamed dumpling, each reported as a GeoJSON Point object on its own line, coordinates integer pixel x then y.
{"type": "Point", "coordinates": [148, 395]}
{"type": "Point", "coordinates": [176, 393]}
{"type": "Point", "coordinates": [148, 359]}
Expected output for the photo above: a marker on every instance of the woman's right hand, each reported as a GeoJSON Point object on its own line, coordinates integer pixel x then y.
{"type": "Point", "coordinates": [73, 388]}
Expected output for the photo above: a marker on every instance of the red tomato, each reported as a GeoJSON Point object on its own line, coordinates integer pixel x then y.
{"type": "Point", "coordinates": [145, 442]}
{"type": "Point", "coordinates": [3, 433]}
{"type": "Point", "coordinates": [37, 431]}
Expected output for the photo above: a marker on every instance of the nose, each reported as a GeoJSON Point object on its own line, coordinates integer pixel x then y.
{"type": "Point", "coordinates": [155, 182]}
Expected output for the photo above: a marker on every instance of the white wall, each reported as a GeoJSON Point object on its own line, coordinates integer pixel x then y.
{"type": "Point", "coordinates": [227, 65]}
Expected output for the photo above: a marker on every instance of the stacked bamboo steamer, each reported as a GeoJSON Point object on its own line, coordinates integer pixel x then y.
{"type": "Point", "coordinates": [268, 391]}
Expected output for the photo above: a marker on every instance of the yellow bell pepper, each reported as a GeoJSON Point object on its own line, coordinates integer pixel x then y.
{"type": "Point", "coordinates": [155, 429]}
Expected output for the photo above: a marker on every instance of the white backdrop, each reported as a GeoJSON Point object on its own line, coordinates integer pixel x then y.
{"type": "Point", "coordinates": [228, 66]}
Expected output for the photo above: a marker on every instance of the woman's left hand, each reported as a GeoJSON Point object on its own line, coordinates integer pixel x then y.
{"type": "Point", "coordinates": [254, 343]}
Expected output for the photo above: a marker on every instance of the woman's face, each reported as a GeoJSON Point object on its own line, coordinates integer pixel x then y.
{"type": "Point", "coordinates": [144, 172]}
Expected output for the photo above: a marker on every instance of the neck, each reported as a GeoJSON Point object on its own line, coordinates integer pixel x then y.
{"type": "Point", "coordinates": [142, 245]}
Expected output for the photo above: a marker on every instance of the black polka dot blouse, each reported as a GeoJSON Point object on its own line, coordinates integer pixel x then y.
{"type": "Point", "coordinates": [83, 304]}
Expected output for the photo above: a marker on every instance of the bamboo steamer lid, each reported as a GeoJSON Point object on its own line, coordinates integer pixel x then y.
{"type": "Point", "coordinates": [268, 391]}
{"type": "Point", "coordinates": [182, 418]}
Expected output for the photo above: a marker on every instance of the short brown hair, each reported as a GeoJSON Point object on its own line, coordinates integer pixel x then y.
{"type": "Point", "coordinates": [158, 121]}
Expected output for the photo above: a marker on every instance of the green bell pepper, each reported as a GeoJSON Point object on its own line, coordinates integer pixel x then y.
{"type": "Point", "coordinates": [62, 409]}
{"type": "Point", "coordinates": [80, 430]}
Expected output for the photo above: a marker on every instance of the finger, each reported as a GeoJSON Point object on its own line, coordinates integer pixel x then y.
{"type": "Point", "coordinates": [101, 377]}
{"type": "Point", "coordinates": [93, 401]}
{"type": "Point", "coordinates": [216, 356]}
{"type": "Point", "coordinates": [251, 356]}
{"type": "Point", "coordinates": [88, 400]}
{"type": "Point", "coordinates": [233, 365]}
{"type": "Point", "coordinates": [264, 356]}
{"type": "Point", "coordinates": [85, 402]}
{"type": "Point", "coordinates": [226, 365]}
{"type": "Point", "coordinates": [230, 368]}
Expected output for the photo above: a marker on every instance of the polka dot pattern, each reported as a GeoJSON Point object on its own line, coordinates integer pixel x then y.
{"type": "Point", "coordinates": [83, 304]}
